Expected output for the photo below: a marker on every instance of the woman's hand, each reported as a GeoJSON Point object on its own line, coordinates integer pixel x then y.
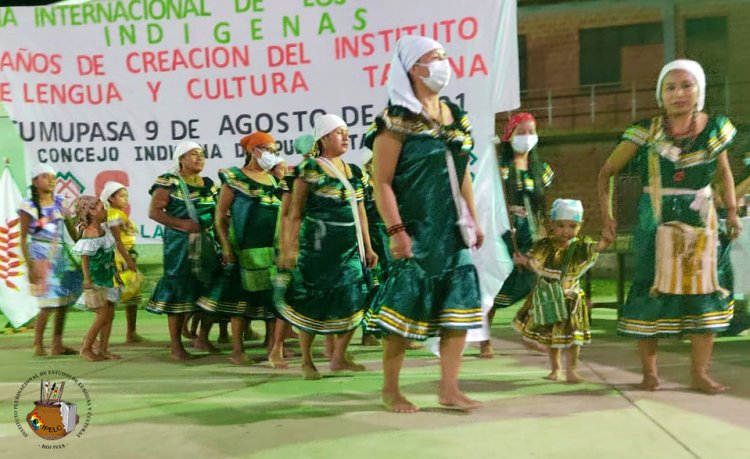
{"type": "Point", "coordinates": [609, 230]}
{"type": "Point", "coordinates": [189, 226]}
{"type": "Point", "coordinates": [287, 260]}
{"type": "Point", "coordinates": [520, 260]}
{"type": "Point", "coordinates": [480, 238]}
{"type": "Point", "coordinates": [400, 245]}
{"type": "Point", "coordinates": [371, 258]}
{"type": "Point", "coordinates": [734, 226]}
{"type": "Point", "coordinates": [228, 257]}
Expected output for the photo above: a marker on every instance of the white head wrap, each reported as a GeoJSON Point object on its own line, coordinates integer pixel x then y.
{"type": "Point", "coordinates": [408, 51]}
{"type": "Point", "coordinates": [40, 169]}
{"type": "Point", "coordinates": [181, 149]}
{"type": "Point", "coordinates": [567, 209]}
{"type": "Point", "coordinates": [326, 124]}
{"type": "Point", "coordinates": [693, 68]}
{"type": "Point", "coordinates": [109, 189]}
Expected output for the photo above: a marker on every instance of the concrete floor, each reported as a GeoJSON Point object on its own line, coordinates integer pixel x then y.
{"type": "Point", "coordinates": [147, 406]}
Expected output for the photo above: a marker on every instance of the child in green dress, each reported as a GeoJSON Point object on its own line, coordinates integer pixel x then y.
{"type": "Point", "coordinates": [555, 314]}
{"type": "Point", "coordinates": [96, 247]}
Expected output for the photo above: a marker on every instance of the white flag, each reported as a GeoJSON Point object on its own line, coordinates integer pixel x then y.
{"type": "Point", "coordinates": [15, 301]}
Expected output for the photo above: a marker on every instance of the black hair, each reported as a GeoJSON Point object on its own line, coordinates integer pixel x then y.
{"type": "Point", "coordinates": [37, 205]}
{"type": "Point", "coordinates": [535, 170]}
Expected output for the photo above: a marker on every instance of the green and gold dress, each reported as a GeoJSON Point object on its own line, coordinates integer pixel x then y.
{"type": "Point", "coordinates": [439, 287]}
{"type": "Point", "coordinates": [524, 214]}
{"type": "Point", "coordinates": [245, 288]}
{"type": "Point", "coordinates": [648, 315]}
{"type": "Point", "coordinates": [177, 291]}
{"type": "Point", "coordinates": [545, 260]}
{"type": "Point", "coordinates": [327, 292]}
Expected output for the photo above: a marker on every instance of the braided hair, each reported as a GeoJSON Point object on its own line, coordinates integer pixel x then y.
{"type": "Point", "coordinates": [37, 206]}
{"type": "Point", "coordinates": [535, 171]}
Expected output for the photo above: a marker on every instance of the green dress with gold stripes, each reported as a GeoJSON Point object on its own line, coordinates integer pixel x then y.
{"type": "Point", "coordinates": [521, 280]}
{"type": "Point", "coordinates": [545, 260]}
{"type": "Point", "coordinates": [177, 291]}
{"type": "Point", "coordinates": [245, 288]}
{"type": "Point", "coordinates": [645, 315]}
{"type": "Point", "coordinates": [439, 287]}
{"type": "Point", "coordinates": [327, 292]}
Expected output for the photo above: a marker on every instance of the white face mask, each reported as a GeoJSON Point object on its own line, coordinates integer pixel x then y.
{"type": "Point", "coordinates": [524, 143]}
{"type": "Point", "coordinates": [267, 160]}
{"type": "Point", "coordinates": [440, 75]}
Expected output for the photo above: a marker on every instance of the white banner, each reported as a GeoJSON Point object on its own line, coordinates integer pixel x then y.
{"type": "Point", "coordinates": [104, 90]}
{"type": "Point", "coordinates": [15, 302]}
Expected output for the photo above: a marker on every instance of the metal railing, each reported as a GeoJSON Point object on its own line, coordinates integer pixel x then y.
{"type": "Point", "coordinates": [617, 104]}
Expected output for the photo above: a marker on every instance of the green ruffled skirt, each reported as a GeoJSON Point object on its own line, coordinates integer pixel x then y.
{"type": "Point", "coordinates": [177, 290]}
{"type": "Point", "coordinates": [416, 305]}
{"type": "Point", "coordinates": [327, 290]}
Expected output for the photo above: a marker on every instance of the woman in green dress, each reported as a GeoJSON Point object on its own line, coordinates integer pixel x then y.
{"type": "Point", "coordinates": [178, 290]}
{"type": "Point", "coordinates": [246, 224]}
{"type": "Point", "coordinates": [432, 287]}
{"type": "Point", "coordinates": [678, 154]}
{"type": "Point", "coordinates": [328, 289]}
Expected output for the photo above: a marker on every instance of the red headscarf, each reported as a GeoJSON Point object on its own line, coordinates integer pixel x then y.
{"type": "Point", "coordinates": [255, 139]}
{"type": "Point", "coordinates": [514, 121]}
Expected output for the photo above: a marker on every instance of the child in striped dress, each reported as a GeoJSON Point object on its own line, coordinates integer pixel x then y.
{"type": "Point", "coordinates": [555, 315]}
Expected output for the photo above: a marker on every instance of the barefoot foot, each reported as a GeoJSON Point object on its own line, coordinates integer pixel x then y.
{"type": "Point", "coordinates": [135, 338]}
{"type": "Point", "coordinates": [649, 383]}
{"type": "Point", "coordinates": [572, 377]}
{"type": "Point", "coordinates": [458, 400]}
{"type": "Point", "coordinates": [106, 355]}
{"type": "Point", "coordinates": [276, 358]}
{"type": "Point", "coordinates": [705, 384]}
{"type": "Point", "coordinates": [397, 403]}
{"type": "Point", "coordinates": [554, 375]}
{"type": "Point", "coordinates": [239, 359]}
{"type": "Point", "coordinates": [486, 351]}
{"type": "Point", "coordinates": [39, 351]}
{"type": "Point", "coordinates": [180, 356]}
{"type": "Point", "coordinates": [89, 355]}
{"type": "Point", "coordinates": [205, 345]}
{"type": "Point", "coordinates": [64, 350]}
{"type": "Point", "coordinates": [309, 372]}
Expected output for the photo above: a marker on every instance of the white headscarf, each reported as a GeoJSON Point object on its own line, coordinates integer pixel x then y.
{"type": "Point", "coordinates": [326, 124]}
{"type": "Point", "coordinates": [693, 68]}
{"type": "Point", "coordinates": [567, 209]}
{"type": "Point", "coordinates": [181, 149]}
{"type": "Point", "coordinates": [40, 169]}
{"type": "Point", "coordinates": [109, 189]}
{"type": "Point", "coordinates": [408, 51]}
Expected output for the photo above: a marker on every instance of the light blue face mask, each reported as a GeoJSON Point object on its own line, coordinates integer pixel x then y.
{"type": "Point", "coordinates": [746, 160]}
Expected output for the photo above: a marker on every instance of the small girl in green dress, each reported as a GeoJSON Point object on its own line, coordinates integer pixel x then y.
{"type": "Point", "coordinates": [96, 248]}
{"type": "Point", "coordinates": [555, 314]}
